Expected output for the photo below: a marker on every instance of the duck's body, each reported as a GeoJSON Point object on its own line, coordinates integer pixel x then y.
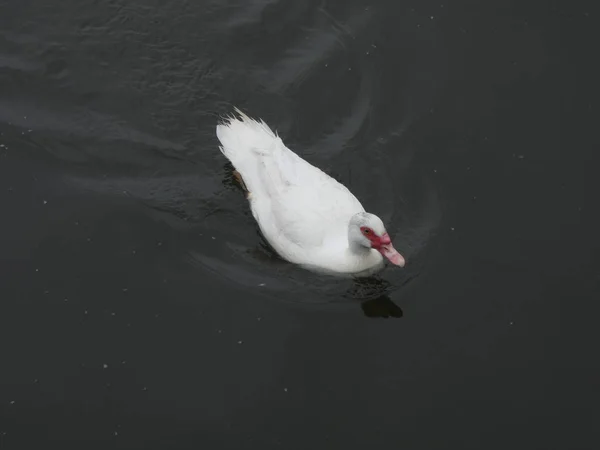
{"type": "Point", "coordinates": [308, 218]}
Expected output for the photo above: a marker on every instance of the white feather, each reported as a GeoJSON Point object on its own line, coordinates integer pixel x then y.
{"type": "Point", "coordinates": [302, 212]}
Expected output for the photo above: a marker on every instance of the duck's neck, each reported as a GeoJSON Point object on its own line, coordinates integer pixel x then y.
{"type": "Point", "coordinates": [362, 260]}
{"type": "Point", "coordinates": [357, 249]}
{"type": "Point", "coordinates": [361, 257]}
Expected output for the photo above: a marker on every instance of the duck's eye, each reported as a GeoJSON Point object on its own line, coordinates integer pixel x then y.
{"type": "Point", "coordinates": [367, 231]}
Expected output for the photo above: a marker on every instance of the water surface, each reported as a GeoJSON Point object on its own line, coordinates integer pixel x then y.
{"type": "Point", "coordinates": [140, 307]}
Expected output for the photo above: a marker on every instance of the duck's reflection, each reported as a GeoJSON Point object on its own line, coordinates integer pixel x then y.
{"type": "Point", "coordinates": [375, 302]}
{"type": "Point", "coordinates": [382, 307]}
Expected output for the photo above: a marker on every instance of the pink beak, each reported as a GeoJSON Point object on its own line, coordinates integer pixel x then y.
{"type": "Point", "coordinates": [387, 249]}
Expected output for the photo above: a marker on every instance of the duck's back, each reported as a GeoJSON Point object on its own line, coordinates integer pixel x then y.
{"type": "Point", "coordinates": [298, 207]}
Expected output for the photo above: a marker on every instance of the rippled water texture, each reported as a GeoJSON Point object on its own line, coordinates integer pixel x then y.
{"type": "Point", "coordinates": [141, 308]}
{"type": "Point", "coordinates": [138, 90]}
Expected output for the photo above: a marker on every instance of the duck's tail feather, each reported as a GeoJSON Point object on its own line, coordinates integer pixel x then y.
{"type": "Point", "coordinates": [249, 145]}
{"type": "Point", "coordinates": [241, 136]}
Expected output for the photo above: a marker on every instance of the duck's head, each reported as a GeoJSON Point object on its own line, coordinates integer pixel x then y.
{"type": "Point", "coordinates": [367, 230]}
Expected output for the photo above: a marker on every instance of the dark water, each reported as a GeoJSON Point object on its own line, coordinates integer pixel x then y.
{"type": "Point", "coordinates": [139, 307]}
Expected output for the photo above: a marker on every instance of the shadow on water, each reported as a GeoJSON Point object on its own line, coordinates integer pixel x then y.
{"type": "Point", "coordinates": [372, 292]}
{"type": "Point", "coordinates": [381, 307]}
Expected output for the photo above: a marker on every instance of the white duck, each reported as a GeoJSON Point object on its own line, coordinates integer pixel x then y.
{"type": "Point", "coordinates": [306, 216]}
